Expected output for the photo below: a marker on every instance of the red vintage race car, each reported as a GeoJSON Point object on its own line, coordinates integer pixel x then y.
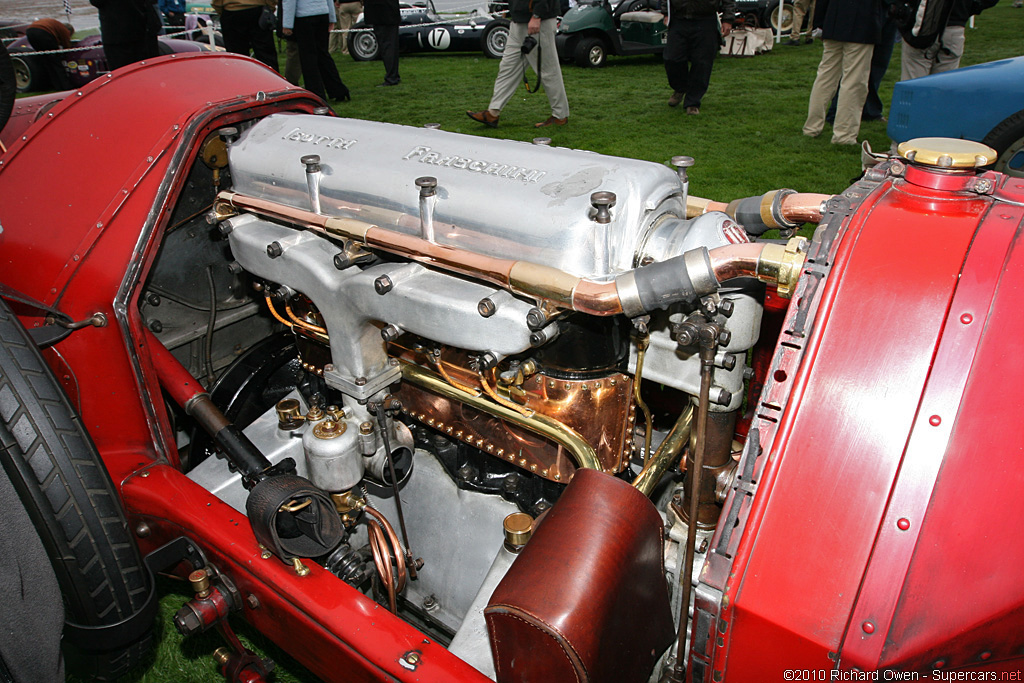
{"type": "Point", "coordinates": [428, 407]}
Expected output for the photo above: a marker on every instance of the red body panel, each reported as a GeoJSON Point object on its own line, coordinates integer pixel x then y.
{"type": "Point", "coordinates": [878, 534]}
{"type": "Point", "coordinates": [859, 434]}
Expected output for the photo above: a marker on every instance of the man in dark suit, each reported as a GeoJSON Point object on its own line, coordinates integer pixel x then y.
{"type": "Point", "coordinates": [128, 29]}
{"type": "Point", "coordinates": [385, 18]}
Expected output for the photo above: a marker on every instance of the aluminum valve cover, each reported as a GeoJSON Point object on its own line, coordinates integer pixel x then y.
{"type": "Point", "coordinates": [496, 197]}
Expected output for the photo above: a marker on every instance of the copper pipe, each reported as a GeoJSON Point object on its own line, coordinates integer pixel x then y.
{"type": "Point", "coordinates": [804, 207]}
{"type": "Point", "coordinates": [667, 453]}
{"type": "Point", "coordinates": [522, 277]}
{"type": "Point", "coordinates": [580, 452]}
{"type": "Point", "coordinates": [384, 546]}
{"type": "Point", "coordinates": [800, 207]}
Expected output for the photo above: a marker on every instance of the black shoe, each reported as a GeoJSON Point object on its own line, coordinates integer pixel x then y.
{"type": "Point", "coordinates": [792, 41]}
{"type": "Point", "coordinates": [389, 83]}
{"type": "Point", "coordinates": [344, 97]}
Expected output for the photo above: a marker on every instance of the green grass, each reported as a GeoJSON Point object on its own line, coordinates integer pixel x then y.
{"type": "Point", "coordinates": [746, 140]}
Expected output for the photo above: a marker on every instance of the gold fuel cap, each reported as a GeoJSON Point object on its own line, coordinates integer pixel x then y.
{"type": "Point", "coordinates": [947, 153]}
{"type": "Point", "coordinates": [518, 529]}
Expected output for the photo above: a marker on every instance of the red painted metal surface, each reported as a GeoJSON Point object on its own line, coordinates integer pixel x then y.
{"type": "Point", "coordinates": [840, 440]}
{"type": "Point", "coordinates": [80, 222]}
{"type": "Point", "coordinates": [339, 633]}
{"type": "Point", "coordinates": [941, 411]}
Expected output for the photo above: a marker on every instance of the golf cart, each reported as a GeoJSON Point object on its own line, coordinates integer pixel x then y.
{"type": "Point", "coordinates": [588, 33]}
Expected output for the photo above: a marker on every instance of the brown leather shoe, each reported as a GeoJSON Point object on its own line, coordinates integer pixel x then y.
{"type": "Point", "coordinates": [485, 117]}
{"type": "Point", "coordinates": [676, 98]}
{"type": "Point", "coordinates": [551, 121]}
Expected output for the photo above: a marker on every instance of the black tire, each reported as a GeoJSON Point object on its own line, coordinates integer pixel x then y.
{"type": "Point", "coordinates": [71, 501]}
{"type": "Point", "coordinates": [1007, 139]}
{"type": "Point", "coordinates": [590, 53]}
{"type": "Point", "coordinates": [787, 17]}
{"type": "Point", "coordinates": [493, 40]}
{"type": "Point", "coordinates": [28, 77]}
{"type": "Point", "coordinates": [362, 43]}
{"type": "Point", "coordinates": [8, 86]}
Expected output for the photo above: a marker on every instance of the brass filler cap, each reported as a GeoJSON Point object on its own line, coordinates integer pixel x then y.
{"type": "Point", "coordinates": [947, 153]}
{"type": "Point", "coordinates": [518, 529]}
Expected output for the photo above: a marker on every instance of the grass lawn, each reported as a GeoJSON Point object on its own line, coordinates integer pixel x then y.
{"type": "Point", "coordinates": [746, 141]}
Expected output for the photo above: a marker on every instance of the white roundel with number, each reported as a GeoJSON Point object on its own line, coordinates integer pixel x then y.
{"type": "Point", "coordinates": [439, 38]}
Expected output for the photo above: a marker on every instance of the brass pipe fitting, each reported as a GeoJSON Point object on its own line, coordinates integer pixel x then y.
{"type": "Point", "coordinates": [667, 453]}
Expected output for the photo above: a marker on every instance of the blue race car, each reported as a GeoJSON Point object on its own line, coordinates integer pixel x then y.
{"type": "Point", "coordinates": [984, 103]}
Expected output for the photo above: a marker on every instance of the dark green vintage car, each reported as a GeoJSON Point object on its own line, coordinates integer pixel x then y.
{"type": "Point", "coordinates": [589, 32]}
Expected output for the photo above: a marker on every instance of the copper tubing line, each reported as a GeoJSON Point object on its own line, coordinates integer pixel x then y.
{"type": "Point", "coordinates": [523, 277]}
{"type": "Point", "coordinates": [273, 312]}
{"type": "Point", "coordinates": [384, 544]}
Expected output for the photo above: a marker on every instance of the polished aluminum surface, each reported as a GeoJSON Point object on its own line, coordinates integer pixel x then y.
{"type": "Point", "coordinates": [494, 197]}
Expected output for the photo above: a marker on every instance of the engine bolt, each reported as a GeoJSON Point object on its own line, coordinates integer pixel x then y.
{"type": "Point", "coordinates": [252, 601]}
{"type": "Point", "coordinates": [274, 249]}
{"type": "Point", "coordinates": [486, 308]}
{"type": "Point", "coordinates": [390, 333]}
{"type": "Point", "coordinates": [360, 381]}
{"type": "Point", "coordinates": [312, 163]}
{"type": "Point", "coordinates": [229, 134]}
{"type": "Point", "coordinates": [538, 338]}
{"type": "Point", "coordinates": [427, 185]}
{"type": "Point", "coordinates": [724, 337]}
{"type": "Point", "coordinates": [300, 569]}
{"type": "Point", "coordinates": [726, 307]}
{"type": "Point", "coordinates": [602, 202]}
{"type": "Point", "coordinates": [142, 530]}
{"type": "Point", "coordinates": [156, 326]}
{"type": "Point", "coordinates": [383, 285]}
{"type": "Point", "coordinates": [535, 319]}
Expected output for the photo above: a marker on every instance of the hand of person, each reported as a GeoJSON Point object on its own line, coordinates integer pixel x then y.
{"type": "Point", "coordinates": [330, 28]}
{"type": "Point", "coordinates": [726, 29]}
{"type": "Point", "coordinates": [533, 28]}
{"type": "Point", "coordinates": [286, 31]}
{"type": "Point", "coordinates": [664, 17]}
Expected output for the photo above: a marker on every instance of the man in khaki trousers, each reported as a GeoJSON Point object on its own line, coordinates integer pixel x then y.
{"type": "Point", "coordinates": [346, 13]}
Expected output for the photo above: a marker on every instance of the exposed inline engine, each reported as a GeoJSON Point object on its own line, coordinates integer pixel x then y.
{"type": "Point", "coordinates": [472, 321]}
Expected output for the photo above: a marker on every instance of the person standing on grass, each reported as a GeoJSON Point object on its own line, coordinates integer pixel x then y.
{"type": "Point", "coordinates": [944, 53]}
{"type": "Point", "coordinates": [311, 22]}
{"type": "Point", "coordinates": [801, 9]}
{"type": "Point", "coordinates": [535, 18]}
{"type": "Point", "coordinates": [128, 29]}
{"type": "Point", "coordinates": [245, 28]}
{"type": "Point", "coordinates": [694, 37]}
{"type": "Point", "coordinates": [347, 13]}
{"type": "Point", "coordinates": [384, 16]}
{"type": "Point", "coordinates": [849, 31]}
{"type": "Point", "coordinates": [46, 35]}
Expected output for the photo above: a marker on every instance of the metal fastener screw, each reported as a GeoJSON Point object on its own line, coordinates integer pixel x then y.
{"type": "Point", "coordinates": [602, 203]}
{"type": "Point", "coordinates": [274, 249]}
{"type": "Point", "coordinates": [486, 308]}
{"type": "Point", "coordinates": [390, 333]}
{"type": "Point", "coordinates": [252, 601]}
{"type": "Point", "coordinates": [427, 185]}
{"type": "Point", "coordinates": [311, 162]}
{"type": "Point", "coordinates": [383, 285]}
